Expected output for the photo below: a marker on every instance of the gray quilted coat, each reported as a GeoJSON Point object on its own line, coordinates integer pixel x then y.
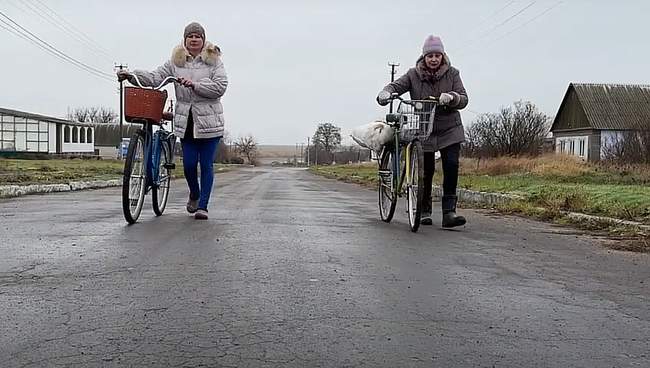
{"type": "Point", "coordinates": [207, 72]}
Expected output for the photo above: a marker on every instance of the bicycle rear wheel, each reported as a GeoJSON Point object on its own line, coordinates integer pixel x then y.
{"type": "Point", "coordinates": [160, 193]}
{"type": "Point", "coordinates": [414, 185]}
{"type": "Point", "coordinates": [387, 186]}
{"type": "Point", "coordinates": [134, 180]}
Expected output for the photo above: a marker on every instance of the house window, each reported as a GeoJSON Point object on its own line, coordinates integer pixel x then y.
{"type": "Point", "coordinates": [66, 134]}
{"type": "Point", "coordinates": [89, 135]}
{"type": "Point", "coordinates": [82, 135]}
{"type": "Point", "coordinates": [581, 148]}
{"type": "Point", "coordinates": [75, 134]}
{"type": "Point", "coordinates": [562, 146]}
{"type": "Point", "coordinates": [572, 146]}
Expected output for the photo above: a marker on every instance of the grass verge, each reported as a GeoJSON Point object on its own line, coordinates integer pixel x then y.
{"type": "Point", "coordinates": [550, 187]}
{"type": "Point", "coordinates": [56, 171]}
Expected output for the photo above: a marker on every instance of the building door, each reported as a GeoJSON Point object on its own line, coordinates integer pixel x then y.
{"type": "Point", "coordinates": [21, 141]}
{"type": "Point", "coordinates": [59, 138]}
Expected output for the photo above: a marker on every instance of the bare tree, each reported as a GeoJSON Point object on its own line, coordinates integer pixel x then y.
{"type": "Point", "coordinates": [93, 111]}
{"type": "Point", "coordinates": [94, 114]}
{"type": "Point", "coordinates": [327, 137]}
{"type": "Point", "coordinates": [79, 114]}
{"type": "Point", "coordinates": [515, 130]}
{"type": "Point", "coordinates": [105, 115]}
{"type": "Point", "coordinates": [247, 146]}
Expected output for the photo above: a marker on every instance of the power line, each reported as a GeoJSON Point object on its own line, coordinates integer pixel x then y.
{"type": "Point", "coordinates": [53, 50]}
{"type": "Point", "coordinates": [12, 31]}
{"type": "Point", "coordinates": [48, 18]}
{"type": "Point", "coordinates": [528, 22]}
{"type": "Point", "coordinates": [489, 42]}
{"type": "Point", "coordinates": [482, 22]}
{"type": "Point", "coordinates": [511, 17]}
{"type": "Point", "coordinates": [81, 36]}
{"type": "Point", "coordinates": [487, 32]}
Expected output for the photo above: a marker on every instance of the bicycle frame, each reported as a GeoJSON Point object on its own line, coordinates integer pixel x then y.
{"type": "Point", "coordinates": [400, 177]}
{"type": "Point", "coordinates": [152, 150]}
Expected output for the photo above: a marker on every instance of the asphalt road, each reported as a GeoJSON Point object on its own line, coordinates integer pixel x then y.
{"type": "Point", "coordinates": [292, 270]}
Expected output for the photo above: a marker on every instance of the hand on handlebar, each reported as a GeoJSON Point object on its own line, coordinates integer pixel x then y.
{"type": "Point", "coordinates": [123, 75]}
{"type": "Point", "coordinates": [384, 97]}
{"type": "Point", "coordinates": [445, 98]}
{"type": "Point", "coordinates": [185, 82]}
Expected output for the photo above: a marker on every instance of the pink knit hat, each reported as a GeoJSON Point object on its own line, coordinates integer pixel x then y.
{"type": "Point", "coordinates": [432, 44]}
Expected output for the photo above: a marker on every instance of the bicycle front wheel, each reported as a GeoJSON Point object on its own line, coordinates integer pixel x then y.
{"type": "Point", "coordinates": [387, 185]}
{"type": "Point", "coordinates": [415, 185]}
{"type": "Point", "coordinates": [133, 182]}
{"type": "Point", "coordinates": [160, 193]}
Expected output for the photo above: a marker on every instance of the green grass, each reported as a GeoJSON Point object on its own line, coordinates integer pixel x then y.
{"type": "Point", "coordinates": [56, 171]}
{"type": "Point", "coordinates": [16, 171]}
{"type": "Point", "coordinates": [548, 190]}
{"type": "Point", "coordinates": [600, 191]}
{"type": "Point", "coordinates": [630, 202]}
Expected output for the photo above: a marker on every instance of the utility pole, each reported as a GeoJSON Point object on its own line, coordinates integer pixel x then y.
{"type": "Point", "coordinates": [121, 67]}
{"type": "Point", "coordinates": [308, 152]}
{"type": "Point", "coordinates": [392, 79]}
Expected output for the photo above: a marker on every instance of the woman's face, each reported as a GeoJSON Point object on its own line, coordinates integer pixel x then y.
{"type": "Point", "coordinates": [194, 43]}
{"type": "Point", "coordinates": [433, 60]}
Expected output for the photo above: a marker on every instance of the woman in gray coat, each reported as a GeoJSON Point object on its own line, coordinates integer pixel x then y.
{"type": "Point", "coordinates": [198, 117]}
{"type": "Point", "coordinates": [434, 76]}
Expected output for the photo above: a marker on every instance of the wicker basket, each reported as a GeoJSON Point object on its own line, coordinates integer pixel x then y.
{"type": "Point", "coordinates": [141, 104]}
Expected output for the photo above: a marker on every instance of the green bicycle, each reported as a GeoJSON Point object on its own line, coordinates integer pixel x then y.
{"type": "Point", "coordinates": [401, 163]}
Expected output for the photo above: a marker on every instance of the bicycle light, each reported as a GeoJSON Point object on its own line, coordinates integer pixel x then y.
{"type": "Point", "coordinates": [393, 118]}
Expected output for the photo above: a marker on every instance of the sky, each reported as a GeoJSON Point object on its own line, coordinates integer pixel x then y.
{"type": "Point", "coordinates": [294, 64]}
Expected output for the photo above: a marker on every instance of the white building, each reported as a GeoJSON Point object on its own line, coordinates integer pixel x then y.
{"type": "Point", "coordinates": [25, 132]}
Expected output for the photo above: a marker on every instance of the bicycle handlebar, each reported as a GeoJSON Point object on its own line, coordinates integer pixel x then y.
{"type": "Point", "coordinates": [163, 83]}
{"type": "Point", "coordinates": [395, 96]}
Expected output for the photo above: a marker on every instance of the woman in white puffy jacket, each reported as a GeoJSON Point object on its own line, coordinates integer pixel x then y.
{"type": "Point", "coordinates": [198, 114]}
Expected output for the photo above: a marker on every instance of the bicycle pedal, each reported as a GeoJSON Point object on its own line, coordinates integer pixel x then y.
{"type": "Point", "coordinates": [169, 166]}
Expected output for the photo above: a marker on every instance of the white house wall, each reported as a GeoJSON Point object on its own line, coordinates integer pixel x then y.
{"type": "Point", "coordinates": [609, 138]}
{"type": "Point", "coordinates": [51, 138]}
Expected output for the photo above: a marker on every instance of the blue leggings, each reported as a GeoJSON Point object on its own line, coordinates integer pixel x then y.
{"type": "Point", "coordinates": [199, 151]}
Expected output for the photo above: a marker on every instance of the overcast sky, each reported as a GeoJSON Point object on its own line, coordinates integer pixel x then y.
{"type": "Point", "coordinates": [292, 64]}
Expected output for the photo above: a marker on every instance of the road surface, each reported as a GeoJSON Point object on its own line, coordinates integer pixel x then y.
{"type": "Point", "coordinates": [293, 270]}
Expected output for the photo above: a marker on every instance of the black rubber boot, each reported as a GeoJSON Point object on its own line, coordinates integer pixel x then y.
{"type": "Point", "coordinates": [449, 217]}
{"type": "Point", "coordinates": [425, 218]}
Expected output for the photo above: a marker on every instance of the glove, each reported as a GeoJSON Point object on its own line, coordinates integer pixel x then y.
{"type": "Point", "coordinates": [123, 74]}
{"type": "Point", "coordinates": [445, 98]}
{"type": "Point", "coordinates": [383, 98]}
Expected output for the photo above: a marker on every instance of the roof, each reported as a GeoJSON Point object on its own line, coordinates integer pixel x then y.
{"type": "Point", "coordinates": [28, 115]}
{"type": "Point", "coordinates": [614, 106]}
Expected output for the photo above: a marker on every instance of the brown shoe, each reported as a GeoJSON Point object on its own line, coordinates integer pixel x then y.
{"type": "Point", "coordinates": [201, 214]}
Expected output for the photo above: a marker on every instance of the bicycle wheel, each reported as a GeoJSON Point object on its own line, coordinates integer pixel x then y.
{"type": "Point", "coordinates": [160, 193]}
{"type": "Point", "coordinates": [387, 187]}
{"type": "Point", "coordinates": [414, 185]}
{"type": "Point", "coordinates": [133, 182]}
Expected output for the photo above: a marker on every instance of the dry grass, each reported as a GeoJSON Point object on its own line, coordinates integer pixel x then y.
{"type": "Point", "coordinates": [544, 165]}
{"type": "Point", "coordinates": [558, 167]}
{"type": "Point", "coordinates": [277, 151]}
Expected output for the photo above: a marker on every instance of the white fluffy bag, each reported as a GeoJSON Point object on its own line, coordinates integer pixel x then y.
{"type": "Point", "coordinates": [373, 135]}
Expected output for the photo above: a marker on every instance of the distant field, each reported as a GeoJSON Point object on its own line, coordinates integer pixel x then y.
{"type": "Point", "coordinates": [278, 151]}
